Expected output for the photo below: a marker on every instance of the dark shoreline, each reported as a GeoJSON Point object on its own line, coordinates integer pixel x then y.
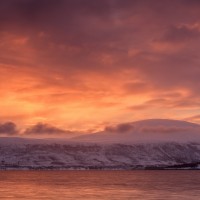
{"type": "Point", "coordinates": [185, 166]}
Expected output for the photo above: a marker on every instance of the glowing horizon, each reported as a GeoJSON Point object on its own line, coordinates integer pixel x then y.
{"type": "Point", "coordinates": [84, 65]}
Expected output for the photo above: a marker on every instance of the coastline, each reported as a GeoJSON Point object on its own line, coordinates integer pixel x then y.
{"type": "Point", "coordinates": [184, 166]}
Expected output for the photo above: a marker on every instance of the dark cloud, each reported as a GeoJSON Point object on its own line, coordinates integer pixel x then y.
{"type": "Point", "coordinates": [120, 128]}
{"type": "Point", "coordinates": [57, 16]}
{"type": "Point", "coordinates": [8, 128]}
{"type": "Point", "coordinates": [25, 12]}
{"type": "Point", "coordinates": [88, 30]}
{"type": "Point", "coordinates": [191, 2]}
{"type": "Point", "coordinates": [40, 129]}
{"type": "Point", "coordinates": [182, 33]}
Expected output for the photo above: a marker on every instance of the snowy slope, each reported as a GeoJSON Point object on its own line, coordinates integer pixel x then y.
{"type": "Point", "coordinates": [97, 155]}
{"type": "Point", "coordinates": [141, 144]}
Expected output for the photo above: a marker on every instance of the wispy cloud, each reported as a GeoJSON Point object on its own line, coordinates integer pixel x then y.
{"type": "Point", "coordinates": [78, 64]}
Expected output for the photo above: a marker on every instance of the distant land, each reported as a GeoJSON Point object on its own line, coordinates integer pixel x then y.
{"type": "Point", "coordinates": [148, 144]}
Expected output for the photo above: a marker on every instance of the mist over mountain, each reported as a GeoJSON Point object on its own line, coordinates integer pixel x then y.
{"type": "Point", "coordinates": [155, 143]}
{"type": "Point", "coordinates": [152, 130]}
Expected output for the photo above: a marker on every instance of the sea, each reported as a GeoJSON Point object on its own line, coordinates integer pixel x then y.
{"type": "Point", "coordinates": [100, 185]}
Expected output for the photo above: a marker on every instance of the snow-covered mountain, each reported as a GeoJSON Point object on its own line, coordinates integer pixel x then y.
{"type": "Point", "coordinates": [98, 155]}
{"type": "Point", "coordinates": [142, 144]}
{"type": "Point", "coordinates": [146, 131]}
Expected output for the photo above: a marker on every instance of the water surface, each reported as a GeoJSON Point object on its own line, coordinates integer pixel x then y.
{"type": "Point", "coordinates": [100, 185]}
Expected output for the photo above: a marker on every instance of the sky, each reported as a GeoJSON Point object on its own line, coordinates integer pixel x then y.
{"type": "Point", "coordinates": [81, 65]}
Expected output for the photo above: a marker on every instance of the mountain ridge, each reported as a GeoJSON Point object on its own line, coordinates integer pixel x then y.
{"type": "Point", "coordinates": [146, 131]}
{"type": "Point", "coordinates": [117, 147]}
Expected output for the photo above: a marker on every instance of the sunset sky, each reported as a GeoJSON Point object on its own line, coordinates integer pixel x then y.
{"type": "Point", "coordinates": [81, 65]}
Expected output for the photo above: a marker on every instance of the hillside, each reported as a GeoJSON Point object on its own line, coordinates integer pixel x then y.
{"type": "Point", "coordinates": [149, 144]}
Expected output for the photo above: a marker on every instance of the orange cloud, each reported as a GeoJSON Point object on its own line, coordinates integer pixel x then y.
{"type": "Point", "coordinates": [81, 65]}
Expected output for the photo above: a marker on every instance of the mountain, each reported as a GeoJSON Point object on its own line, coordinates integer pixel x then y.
{"type": "Point", "coordinates": [147, 144]}
{"type": "Point", "coordinates": [146, 131]}
{"type": "Point", "coordinates": [99, 156]}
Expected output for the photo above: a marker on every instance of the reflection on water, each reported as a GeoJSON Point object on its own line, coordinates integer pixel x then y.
{"type": "Point", "coordinates": [100, 185]}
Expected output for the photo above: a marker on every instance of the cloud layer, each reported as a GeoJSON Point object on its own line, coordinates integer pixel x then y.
{"type": "Point", "coordinates": [84, 64]}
